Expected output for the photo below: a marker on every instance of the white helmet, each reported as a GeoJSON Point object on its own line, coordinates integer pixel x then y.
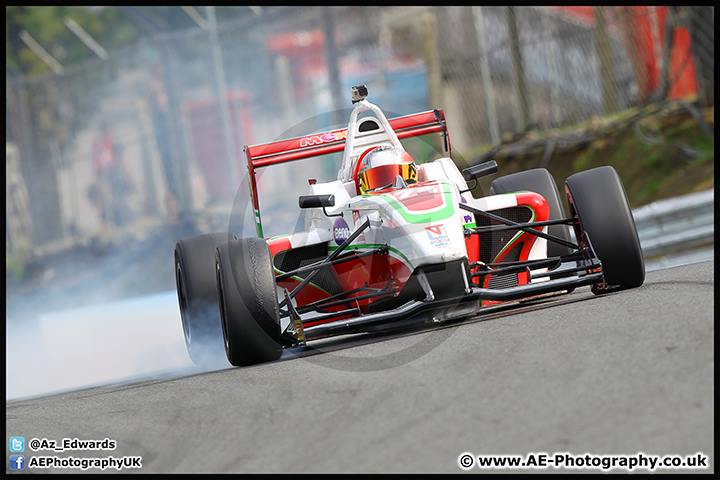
{"type": "Point", "coordinates": [382, 165]}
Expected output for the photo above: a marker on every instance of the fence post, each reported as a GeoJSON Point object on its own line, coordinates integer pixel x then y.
{"type": "Point", "coordinates": [181, 164]}
{"type": "Point", "coordinates": [221, 89]}
{"type": "Point", "coordinates": [518, 70]}
{"type": "Point", "coordinates": [331, 59]}
{"type": "Point", "coordinates": [549, 44]}
{"type": "Point", "coordinates": [486, 79]}
{"type": "Point", "coordinates": [629, 37]}
{"type": "Point", "coordinates": [702, 46]}
{"type": "Point", "coordinates": [432, 60]}
{"type": "Point", "coordinates": [607, 67]}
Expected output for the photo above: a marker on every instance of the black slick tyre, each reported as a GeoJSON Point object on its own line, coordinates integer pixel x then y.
{"type": "Point", "coordinates": [598, 199]}
{"type": "Point", "coordinates": [248, 301]}
{"type": "Point", "coordinates": [197, 297]}
{"type": "Point", "coordinates": [541, 181]}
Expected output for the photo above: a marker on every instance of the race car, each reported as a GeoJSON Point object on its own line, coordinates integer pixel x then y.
{"type": "Point", "coordinates": [392, 242]}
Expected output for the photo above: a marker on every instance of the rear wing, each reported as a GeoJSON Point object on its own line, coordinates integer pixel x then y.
{"type": "Point", "coordinates": [299, 148]}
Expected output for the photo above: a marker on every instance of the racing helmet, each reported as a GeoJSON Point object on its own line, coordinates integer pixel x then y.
{"type": "Point", "coordinates": [382, 165]}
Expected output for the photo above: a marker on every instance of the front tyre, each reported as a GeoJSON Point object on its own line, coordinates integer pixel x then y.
{"type": "Point", "coordinates": [248, 301]}
{"type": "Point", "coordinates": [197, 297]}
{"type": "Point", "coordinates": [597, 197]}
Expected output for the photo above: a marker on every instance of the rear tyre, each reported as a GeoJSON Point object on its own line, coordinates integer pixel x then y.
{"type": "Point", "coordinates": [597, 197]}
{"type": "Point", "coordinates": [197, 297]}
{"type": "Point", "coordinates": [541, 181]}
{"type": "Point", "coordinates": [248, 301]}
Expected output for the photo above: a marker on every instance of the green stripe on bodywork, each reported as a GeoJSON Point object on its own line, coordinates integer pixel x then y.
{"type": "Point", "coordinates": [278, 237]}
{"type": "Point", "coordinates": [311, 284]}
{"type": "Point", "coordinates": [258, 224]}
{"type": "Point", "coordinates": [424, 217]}
{"type": "Point", "coordinates": [299, 280]}
{"type": "Point", "coordinates": [370, 246]}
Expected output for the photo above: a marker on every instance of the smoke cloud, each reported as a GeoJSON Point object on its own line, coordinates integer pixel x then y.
{"type": "Point", "coordinates": [139, 338]}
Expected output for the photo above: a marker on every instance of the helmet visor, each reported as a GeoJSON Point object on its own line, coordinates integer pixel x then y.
{"type": "Point", "coordinates": [384, 176]}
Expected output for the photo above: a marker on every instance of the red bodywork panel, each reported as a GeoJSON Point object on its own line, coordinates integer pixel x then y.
{"type": "Point", "coordinates": [539, 205]}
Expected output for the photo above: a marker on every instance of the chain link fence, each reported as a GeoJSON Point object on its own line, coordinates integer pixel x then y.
{"type": "Point", "coordinates": [138, 140]}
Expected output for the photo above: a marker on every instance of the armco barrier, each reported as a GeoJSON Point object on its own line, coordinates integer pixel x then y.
{"type": "Point", "coordinates": [676, 224]}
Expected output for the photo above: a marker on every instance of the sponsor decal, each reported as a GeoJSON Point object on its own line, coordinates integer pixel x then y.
{"type": "Point", "coordinates": [341, 230]}
{"type": "Point", "coordinates": [328, 137]}
{"type": "Point", "coordinates": [435, 231]}
{"type": "Point", "coordinates": [468, 218]}
{"type": "Point", "coordinates": [438, 236]}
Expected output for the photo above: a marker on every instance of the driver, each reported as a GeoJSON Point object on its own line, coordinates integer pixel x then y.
{"type": "Point", "coordinates": [382, 165]}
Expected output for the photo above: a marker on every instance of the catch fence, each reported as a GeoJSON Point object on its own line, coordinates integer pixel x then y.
{"type": "Point", "coordinates": [138, 140]}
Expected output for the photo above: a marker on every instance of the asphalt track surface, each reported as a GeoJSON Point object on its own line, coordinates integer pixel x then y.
{"type": "Point", "coordinates": [627, 373]}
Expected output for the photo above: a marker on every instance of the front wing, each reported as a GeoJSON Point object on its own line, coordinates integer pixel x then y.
{"type": "Point", "coordinates": [563, 274]}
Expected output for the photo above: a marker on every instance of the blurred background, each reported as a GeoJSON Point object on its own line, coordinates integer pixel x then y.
{"type": "Point", "coordinates": [125, 125]}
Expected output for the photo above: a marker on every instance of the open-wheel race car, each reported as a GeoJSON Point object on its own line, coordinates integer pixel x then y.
{"type": "Point", "coordinates": [391, 242]}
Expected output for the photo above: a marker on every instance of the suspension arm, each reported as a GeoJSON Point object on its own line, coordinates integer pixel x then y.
{"type": "Point", "coordinates": [518, 226]}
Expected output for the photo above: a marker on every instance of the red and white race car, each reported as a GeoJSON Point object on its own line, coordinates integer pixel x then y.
{"type": "Point", "coordinates": [391, 241]}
